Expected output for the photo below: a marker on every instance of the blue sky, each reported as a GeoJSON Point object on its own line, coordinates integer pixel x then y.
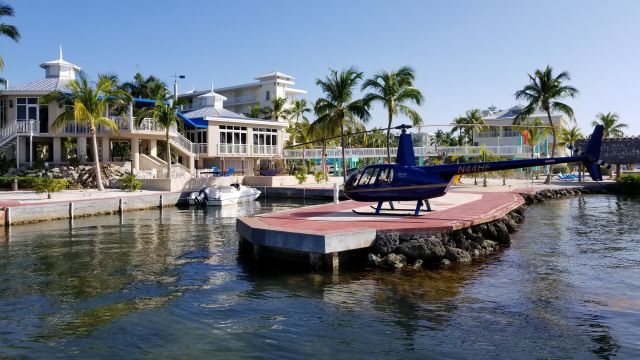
{"type": "Point", "coordinates": [467, 54]}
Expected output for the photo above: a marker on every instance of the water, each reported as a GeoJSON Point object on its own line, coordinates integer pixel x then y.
{"type": "Point", "coordinates": [168, 285]}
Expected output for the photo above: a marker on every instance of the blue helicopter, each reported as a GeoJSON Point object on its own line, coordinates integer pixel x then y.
{"type": "Point", "coordinates": [404, 181]}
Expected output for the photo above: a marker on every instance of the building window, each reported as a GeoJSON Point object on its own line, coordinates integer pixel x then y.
{"type": "Point", "coordinates": [268, 95]}
{"type": "Point", "coordinates": [27, 109]}
{"type": "Point", "coordinates": [264, 136]}
{"type": "Point", "coordinates": [233, 135]}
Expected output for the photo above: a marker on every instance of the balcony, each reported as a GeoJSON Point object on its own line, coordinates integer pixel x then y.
{"type": "Point", "coordinates": [241, 100]}
{"type": "Point", "coordinates": [232, 149]}
{"type": "Point", "coordinates": [265, 150]}
{"type": "Point", "coordinates": [201, 148]}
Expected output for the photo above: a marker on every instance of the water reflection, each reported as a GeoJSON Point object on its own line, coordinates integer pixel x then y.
{"type": "Point", "coordinates": [171, 283]}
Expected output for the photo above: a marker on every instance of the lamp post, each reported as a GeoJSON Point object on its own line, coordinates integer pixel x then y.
{"type": "Point", "coordinates": [175, 77]}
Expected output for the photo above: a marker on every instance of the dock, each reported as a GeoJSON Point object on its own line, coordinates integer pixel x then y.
{"type": "Point", "coordinates": [324, 233]}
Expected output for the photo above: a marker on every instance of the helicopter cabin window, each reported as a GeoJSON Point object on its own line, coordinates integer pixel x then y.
{"type": "Point", "coordinates": [366, 176]}
{"type": "Point", "coordinates": [385, 177]}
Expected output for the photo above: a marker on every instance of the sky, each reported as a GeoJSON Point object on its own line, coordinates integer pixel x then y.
{"type": "Point", "coordinates": [466, 54]}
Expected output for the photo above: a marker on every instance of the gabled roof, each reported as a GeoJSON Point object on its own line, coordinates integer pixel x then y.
{"type": "Point", "coordinates": [41, 86]}
{"type": "Point", "coordinates": [274, 73]}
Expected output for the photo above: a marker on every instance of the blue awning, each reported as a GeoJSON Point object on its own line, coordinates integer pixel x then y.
{"type": "Point", "coordinates": [199, 123]}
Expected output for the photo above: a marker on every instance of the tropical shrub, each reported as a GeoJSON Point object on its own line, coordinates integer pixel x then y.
{"type": "Point", "coordinates": [319, 176]}
{"type": "Point", "coordinates": [74, 161]}
{"type": "Point", "coordinates": [49, 185]}
{"type": "Point", "coordinates": [131, 183]}
{"type": "Point", "coordinates": [557, 169]}
{"type": "Point", "coordinates": [629, 183]}
{"type": "Point", "coordinates": [301, 176]}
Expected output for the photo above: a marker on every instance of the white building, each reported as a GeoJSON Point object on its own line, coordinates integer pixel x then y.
{"type": "Point", "coordinates": [226, 139]}
{"type": "Point", "coordinates": [214, 135]}
{"type": "Point", "coordinates": [506, 135]}
{"type": "Point", "coordinates": [239, 98]}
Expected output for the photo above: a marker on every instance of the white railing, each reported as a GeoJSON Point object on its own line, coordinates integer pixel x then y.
{"type": "Point", "coordinates": [180, 140]}
{"type": "Point", "coordinates": [265, 150]}
{"type": "Point", "coordinates": [201, 148]}
{"type": "Point", "coordinates": [227, 149]}
{"type": "Point", "coordinates": [336, 153]}
{"type": "Point", "coordinates": [241, 99]}
{"type": "Point", "coordinates": [8, 132]}
{"type": "Point", "coordinates": [73, 127]}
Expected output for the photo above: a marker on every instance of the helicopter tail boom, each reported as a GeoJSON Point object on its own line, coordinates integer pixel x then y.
{"type": "Point", "coordinates": [589, 157]}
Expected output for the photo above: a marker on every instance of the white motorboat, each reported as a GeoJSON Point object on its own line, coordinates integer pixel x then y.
{"type": "Point", "coordinates": [223, 195]}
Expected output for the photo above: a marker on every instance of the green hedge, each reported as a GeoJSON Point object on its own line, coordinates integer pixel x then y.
{"type": "Point", "coordinates": [629, 183]}
{"type": "Point", "coordinates": [26, 182]}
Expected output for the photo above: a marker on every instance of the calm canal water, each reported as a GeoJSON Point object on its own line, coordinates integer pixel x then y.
{"type": "Point", "coordinates": [170, 285]}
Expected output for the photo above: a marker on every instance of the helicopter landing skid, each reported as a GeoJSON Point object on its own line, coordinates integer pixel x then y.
{"type": "Point", "coordinates": [386, 214]}
{"type": "Point", "coordinates": [379, 208]}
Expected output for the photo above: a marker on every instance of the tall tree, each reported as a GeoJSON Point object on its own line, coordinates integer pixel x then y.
{"type": "Point", "coordinates": [545, 90]}
{"type": "Point", "coordinates": [7, 30]}
{"type": "Point", "coordinates": [299, 109]}
{"type": "Point", "coordinates": [459, 126]}
{"type": "Point", "coordinates": [472, 121]}
{"type": "Point", "coordinates": [570, 136]}
{"type": "Point", "coordinates": [278, 109]}
{"type": "Point", "coordinates": [321, 131]}
{"type": "Point", "coordinates": [254, 112]}
{"type": "Point", "coordinates": [612, 125]}
{"type": "Point", "coordinates": [146, 88]}
{"type": "Point", "coordinates": [395, 90]}
{"type": "Point", "coordinates": [89, 107]}
{"type": "Point", "coordinates": [165, 114]}
{"type": "Point", "coordinates": [339, 105]}
{"type": "Point", "coordinates": [535, 133]}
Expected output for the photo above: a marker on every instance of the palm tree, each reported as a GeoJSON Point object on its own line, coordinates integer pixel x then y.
{"type": "Point", "coordinates": [338, 104]}
{"type": "Point", "coordinates": [297, 112]}
{"type": "Point", "coordinates": [144, 88]}
{"type": "Point", "coordinates": [394, 90]}
{"type": "Point", "coordinates": [459, 123]}
{"type": "Point", "coordinates": [277, 109]}
{"type": "Point", "coordinates": [570, 136]}
{"type": "Point", "coordinates": [612, 125]}
{"type": "Point", "coordinates": [474, 121]}
{"type": "Point", "coordinates": [255, 112]}
{"type": "Point", "coordinates": [321, 131]}
{"type": "Point", "coordinates": [165, 114]}
{"type": "Point", "coordinates": [7, 30]}
{"type": "Point", "coordinates": [544, 90]}
{"type": "Point", "coordinates": [89, 107]}
{"type": "Point", "coordinates": [535, 133]}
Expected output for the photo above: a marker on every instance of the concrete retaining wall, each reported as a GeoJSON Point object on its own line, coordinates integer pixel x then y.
{"type": "Point", "coordinates": [65, 210]}
{"type": "Point", "coordinates": [283, 180]}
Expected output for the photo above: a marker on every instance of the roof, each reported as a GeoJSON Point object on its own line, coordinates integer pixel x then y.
{"type": "Point", "coordinates": [274, 74]}
{"type": "Point", "coordinates": [60, 62]}
{"type": "Point", "coordinates": [41, 86]}
{"type": "Point", "coordinates": [210, 111]}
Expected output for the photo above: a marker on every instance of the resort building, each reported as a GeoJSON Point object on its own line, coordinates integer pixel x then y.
{"type": "Point", "coordinates": [212, 135]}
{"type": "Point", "coordinates": [240, 98]}
{"type": "Point", "coordinates": [227, 139]}
{"type": "Point", "coordinates": [506, 135]}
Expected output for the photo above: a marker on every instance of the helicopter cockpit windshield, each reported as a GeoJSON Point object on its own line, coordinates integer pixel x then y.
{"type": "Point", "coordinates": [353, 179]}
{"type": "Point", "coordinates": [369, 176]}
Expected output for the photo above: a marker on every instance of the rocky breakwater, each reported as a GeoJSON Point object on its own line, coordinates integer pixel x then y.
{"type": "Point", "coordinates": [398, 250]}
